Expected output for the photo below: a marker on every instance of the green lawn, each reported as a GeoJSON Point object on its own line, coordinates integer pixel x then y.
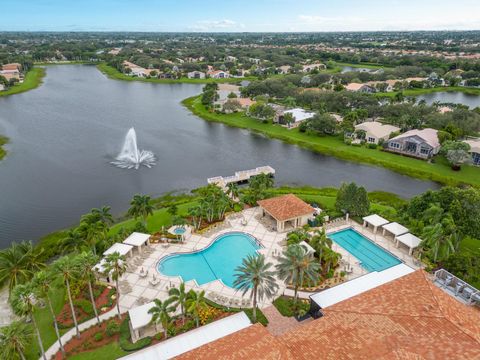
{"type": "Point", "coordinates": [416, 92]}
{"type": "Point", "coordinates": [3, 141]}
{"type": "Point", "coordinates": [108, 352]}
{"type": "Point", "coordinates": [439, 171]}
{"type": "Point", "coordinates": [32, 80]}
{"type": "Point", "coordinates": [113, 73]}
{"type": "Point", "coordinates": [45, 322]}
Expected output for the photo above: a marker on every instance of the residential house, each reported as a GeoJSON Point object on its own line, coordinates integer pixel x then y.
{"type": "Point", "coordinates": [298, 114]}
{"type": "Point", "coordinates": [310, 67]}
{"type": "Point", "coordinates": [254, 60]}
{"type": "Point", "coordinates": [12, 71]}
{"type": "Point", "coordinates": [422, 144]}
{"type": "Point", "coordinates": [376, 131]}
{"type": "Point", "coordinates": [196, 75]}
{"type": "Point", "coordinates": [284, 69]}
{"type": "Point", "coordinates": [224, 90]}
{"type": "Point", "coordinates": [218, 74]}
{"type": "Point", "coordinates": [358, 87]}
{"type": "Point", "coordinates": [230, 59]}
{"type": "Point", "coordinates": [115, 51]}
{"type": "Point", "coordinates": [474, 150]}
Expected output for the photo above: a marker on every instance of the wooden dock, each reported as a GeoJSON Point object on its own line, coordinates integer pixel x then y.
{"type": "Point", "coordinates": [241, 176]}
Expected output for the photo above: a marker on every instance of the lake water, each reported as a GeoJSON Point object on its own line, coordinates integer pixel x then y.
{"type": "Point", "coordinates": [356, 69]}
{"type": "Point", "coordinates": [64, 134]}
{"type": "Point", "coordinates": [456, 97]}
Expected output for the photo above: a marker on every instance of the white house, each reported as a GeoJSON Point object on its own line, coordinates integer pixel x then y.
{"type": "Point", "coordinates": [218, 74]}
{"type": "Point", "coordinates": [376, 131]}
{"type": "Point", "coordinates": [196, 75]}
{"type": "Point", "coordinates": [421, 144]}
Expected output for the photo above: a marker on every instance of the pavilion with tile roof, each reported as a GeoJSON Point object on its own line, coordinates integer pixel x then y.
{"type": "Point", "coordinates": [288, 211]}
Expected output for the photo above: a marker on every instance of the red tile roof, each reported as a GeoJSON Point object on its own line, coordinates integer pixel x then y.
{"type": "Point", "coordinates": [408, 318]}
{"type": "Point", "coordinates": [286, 207]}
{"type": "Point", "coordinates": [254, 342]}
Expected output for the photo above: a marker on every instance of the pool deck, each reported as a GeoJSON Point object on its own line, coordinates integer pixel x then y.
{"type": "Point", "coordinates": [136, 290]}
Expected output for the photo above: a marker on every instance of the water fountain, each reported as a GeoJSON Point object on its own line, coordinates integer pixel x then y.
{"type": "Point", "coordinates": [130, 157]}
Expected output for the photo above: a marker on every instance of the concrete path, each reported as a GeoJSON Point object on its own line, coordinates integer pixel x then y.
{"type": "Point", "coordinates": [301, 294]}
{"type": "Point", "coordinates": [52, 350]}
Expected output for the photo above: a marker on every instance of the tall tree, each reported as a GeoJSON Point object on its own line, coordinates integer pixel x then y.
{"type": "Point", "coordinates": [18, 263]}
{"type": "Point", "coordinates": [22, 301]}
{"type": "Point", "coordinates": [14, 339]}
{"type": "Point", "coordinates": [141, 206]}
{"type": "Point", "coordinates": [86, 261]}
{"type": "Point", "coordinates": [194, 303]}
{"type": "Point", "coordinates": [179, 296]}
{"type": "Point", "coordinates": [295, 266]}
{"type": "Point", "coordinates": [42, 283]}
{"type": "Point", "coordinates": [254, 275]}
{"type": "Point", "coordinates": [116, 265]}
{"type": "Point", "coordinates": [67, 267]}
{"type": "Point", "coordinates": [161, 313]}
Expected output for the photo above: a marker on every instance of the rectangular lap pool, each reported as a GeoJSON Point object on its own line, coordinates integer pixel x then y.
{"type": "Point", "coordinates": [371, 256]}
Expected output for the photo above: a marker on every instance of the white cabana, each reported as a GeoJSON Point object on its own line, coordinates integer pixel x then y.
{"type": "Point", "coordinates": [100, 272]}
{"type": "Point", "coordinates": [375, 221]}
{"type": "Point", "coordinates": [140, 322]}
{"type": "Point", "coordinates": [122, 249]}
{"type": "Point", "coordinates": [395, 229]}
{"type": "Point", "coordinates": [409, 240]}
{"type": "Point", "coordinates": [137, 240]}
{"type": "Point", "coordinates": [193, 339]}
{"type": "Point", "coordinates": [309, 250]}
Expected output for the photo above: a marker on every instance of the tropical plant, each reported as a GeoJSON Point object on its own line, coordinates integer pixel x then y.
{"type": "Point", "coordinates": [86, 262]}
{"type": "Point", "coordinates": [194, 303]}
{"type": "Point", "coordinates": [320, 242]}
{"type": "Point", "coordinates": [352, 199]}
{"type": "Point", "coordinates": [330, 259]}
{"type": "Point", "coordinates": [255, 276]}
{"type": "Point", "coordinates": [295, 266]}
{"type": "Point", "coordinates": [67, 268]}
{"type": "Point", "coordinates": [73, 241]}
{"type": "Point", "coordinates": [93, 233]}
{"type": "Point", "coordinates": [179, 296]}
{"type": "Point", "coordinates": [18, 263]}
{"type": "Point", "coordinates": [161, 313]}
{"type": "Point", "coordinates": [42, 283]}
{"type": "Point", "coordinates": [233, 190]}
{"type": "Point", "coordinates": [141, 206]}
{"type": "Point", "coordinates": [22, 301]}
{"type": "Point", "coordinates": [257, 188]}
{"type": "Point", "coordinates": [14, 339]}
{"type": "Point", "coordinates": [116, 265]}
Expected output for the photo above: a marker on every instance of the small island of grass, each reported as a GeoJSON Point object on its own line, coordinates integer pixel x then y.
{"type": "Point", "coordinates": [3, 141]}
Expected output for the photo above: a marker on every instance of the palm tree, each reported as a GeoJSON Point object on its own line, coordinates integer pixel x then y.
{"type": "Point", "coordinates": [18, 263]}
{"type": "Point", "coordinates": [67, 267]}
{"type": "Point", "coordinates": [93, 233]}
{"type": "Point", "coordinates": [439, 243]}
{"type": "Point", "coordinates": [232, 190]}
{"type": "Point", "coordinates": [195, 303]}
{"type": "Point", "coordinates": [161, 313]}
{"type": "Point", "coordinates": [295, 266]}
{"type": "Point", "coordinates": [116, 265]}
{"type": "Point", "coordinates": [42, 283]}
{"type": "Point", "coordinates": [86, 262]}
{"type": "Point", "coordinates": [22, 302]}
{"type": "Point", "coordinates": [330, 258]}
{"type": "Point", "coordinates": [254, 276]}
{"type": "Point", "coordinates": [196, 214]}
{"type": "Point", "coordinates": [73, 241]}
{"type": "Point", "coordinates": [141, 206]}
{"type": "Point", "coordinates": [320, 242]}
{"type": "Point", "coordinates": [14, 338]}
{"type": "Point", "coordinates": [179, 296]}
{"type": "Point", "coordinates": [103, 214]}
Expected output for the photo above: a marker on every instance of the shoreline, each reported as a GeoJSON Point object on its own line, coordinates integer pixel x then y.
{"type": "Point", "coordinates": [33, 79]}
{"type": "Point", "coordinates": [439, 171]}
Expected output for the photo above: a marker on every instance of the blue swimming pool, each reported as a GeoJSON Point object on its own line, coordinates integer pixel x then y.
{"type": "Point", "coordinates": [218, 261]}
{"type": "Point", "coordinates": [371, 256]}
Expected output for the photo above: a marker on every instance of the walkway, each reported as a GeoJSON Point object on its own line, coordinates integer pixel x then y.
{"type": "Point", "coordinates": [279, 324]}
{"type": "Point", "coordinates": [52, 350]}
{"type": "Point", "coordinates": [301, 294]}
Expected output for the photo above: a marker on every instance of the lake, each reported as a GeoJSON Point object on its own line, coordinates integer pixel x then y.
{"type": "Point", "coordinates": [64, 134]}
{"type": "Point", "coordinates": [356, 69]}
{"type": "Point", "coordinates": [456, 97]}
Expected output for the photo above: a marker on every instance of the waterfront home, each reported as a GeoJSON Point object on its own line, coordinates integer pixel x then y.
{"type": "Point", "coordinates": [12, 71]}
{"type": "Point", "coordinates": [196, 75]}
{"type": "Point", "coordinates": [376, 131]}
{"type": "Point", "coordinates": [310, 67]}
{"type": "Point", "coordinates": [287, 212]}
{"type": "Point", "coordinates": [474, 150]}
{"type": "Point", "coordinates": [284, 69]}
{"type": "Point", "coordinates": [224, 90]}
{"type": "Point", "coordinates": [422, 144]}
{"type": "Point", "coordinates": [230, 58]}
{"type": "Point", "coordinates": [299, 115]}
{"type": "Point", "coordinates": [218, 74]}
{"type": "Point", "coordinates": [358, 87]}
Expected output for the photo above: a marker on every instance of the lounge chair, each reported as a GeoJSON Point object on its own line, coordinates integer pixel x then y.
{"type": "Point", "coordinates": [467, 293]}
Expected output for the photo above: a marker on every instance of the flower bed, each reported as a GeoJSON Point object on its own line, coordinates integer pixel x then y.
{"type": "Point", "coordinates": [286, 306]}
{"type": "Point", "coordinates": [104, 301]}
{"type": "Point", "coordinates": [93, 338]}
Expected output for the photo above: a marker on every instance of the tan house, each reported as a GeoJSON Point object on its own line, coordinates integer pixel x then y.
{"type": "Point", "coordinates": [474, 150]}
{"type": "Point", "coordinates": [422, 144]}
{"type": "Point", "coordinates": [358, 87]}
{"type": "Point", "coordinates": [288, 211]}
{"type": "Point", "coordinates": [376, 131]}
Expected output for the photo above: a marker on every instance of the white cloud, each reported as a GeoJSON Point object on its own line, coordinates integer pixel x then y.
{"type": "Point", "coordinates": [215, 25]}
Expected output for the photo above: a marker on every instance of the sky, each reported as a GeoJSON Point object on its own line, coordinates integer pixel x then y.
{"type": "Point", "coordinates": [238, 15]}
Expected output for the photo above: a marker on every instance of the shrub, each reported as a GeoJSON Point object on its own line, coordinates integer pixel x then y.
{"type": "Point", "coordinates": [285, 306]}
{"type": "Point", "coordinates": [261, 318]}
{"type": "Point", "coordinates": [85, 305]}
{"type": "Point", "coordinates": [98, 337]}
{"type": "Point", "coordinates": [112, 328]}
{"type": "Point", "coordinates": [372, 146]}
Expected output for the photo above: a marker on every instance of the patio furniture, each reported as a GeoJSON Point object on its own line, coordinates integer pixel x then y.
{"type": "Point", "coordinates": [154, 281]}
{"type": "Point", "coordinates": [143, 273]}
